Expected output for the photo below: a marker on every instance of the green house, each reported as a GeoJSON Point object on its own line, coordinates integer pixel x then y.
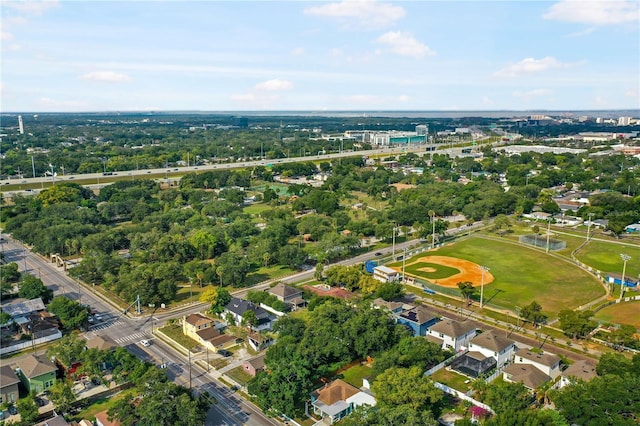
{"type": "Point", "coordinates": [36, 373]}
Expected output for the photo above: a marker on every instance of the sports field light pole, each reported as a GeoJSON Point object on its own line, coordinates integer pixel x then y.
{"type": "Point", "coordinates": [432, 214]}
{"type": "Point", "coordinates": [404, 257]}
{"type": "Point", "coordinates": [393, 244]}
{"type": "Point", "coordinates": [589, 226]}
{"type": "Point", "coordinates": [548, 234]}
{"type": "Point", "coordinates": [482, 269]}
{"type": "Point", "coordinates": [625, 258]}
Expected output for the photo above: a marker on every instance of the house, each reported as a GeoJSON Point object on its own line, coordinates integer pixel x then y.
{"type": "Point", "coordinates": [633, 228]}
{"type": "Point", "coordinates": [549, 364]}
{"type": "Point", "coordinates": [237, 307]}
{"type": "Point", "coordinates": [288, 294]}
{"type": "Point", "coordinates": [530, 376]}
{"type": "Point", "coordinates": [338, 399]}
{"type": "Point", "coordinates": [57, 420]}
{"type": "Point", "coordinates": [491, 344]}
{"type": "Point", "coordinates": [24, 308]}
{"type": "Point", "coordinates": [454, 335]}
{"type": "Point", "coordinates": [385, 274]}
{"type": "Point", "coordinates": [195, 322]}
{"type": "Point", "coordinates": [579, 370]}
{"type": "Point", "coordinates": [103, 420]}
{"type": "Point", "coordinates": [8, 385]}
{"type": "Point", "coordinates": [102, 343]}
{"type": "Point", "coordinates": [212, 339]}
{"type": "Point", "coordinates": [418, 319]}
{"type": "Point", "coordinates": [474, 364]}
{"type": "Point", "coordinates": [254, 365]}
{"type": "Point", "coordinates": [393, 307]}
{"type": "Point", "coordinates": [37, 373]}
{"type": "Point", "coordinates": [259, 341]}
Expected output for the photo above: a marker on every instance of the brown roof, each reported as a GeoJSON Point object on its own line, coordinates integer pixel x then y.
{"type": "Point", "coordinates": [527, 374]}
{"type": "Point", "coordinates": [8, 377]}
{"type": "Point", "coordinates": [198, 319]}
{"type": "Point", "coordinates": [284, 290]}
{"type": "Point", "coordinates": [213, 336]}
{"type": "Point", "coordinates": [583, 370]}
{"type": "Point", "coordinates": [34, 366]}
{"type": "Point", "coordinates": [257, 362]}
{"type": "Point", "coordinates": [102, 417]}
{"type": "Point", "coordinates": [492, 341]}
{"type": "Point", "coordinates": [476, 355]}
{"type": "Point", "coordinates": [545, 359]}
{"type": "Point", "coordinates": [392, 306]}
{"type": "Point", "coordinates": [453, 328]}
{"type": "Point", "coordinates": [433, 339]}
{"type": "Point", "coordinates": [335, 391]}
{"type": "Point", "coordinates": [419, 315]}
{"type": "Point", "coordinates": [102, 343]}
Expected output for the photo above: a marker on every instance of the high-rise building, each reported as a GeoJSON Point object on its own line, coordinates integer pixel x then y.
{"type": "Point", "coordinates": [422, 130]}
{"type": "Point", "coordinates": [20, 126]}
{"type": "Point", "coordinates": [624, 121]}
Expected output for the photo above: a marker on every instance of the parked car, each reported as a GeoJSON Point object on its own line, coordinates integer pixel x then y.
{"type": "Point", "coordinates": [145, 343]}
{"type": "Point", "coordinates": [12, 410]}
{"type": "Point", "coordinates": [224, 352]}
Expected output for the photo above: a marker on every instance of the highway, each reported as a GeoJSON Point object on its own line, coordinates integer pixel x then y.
{"type": "Point", "coordinates": [127, 332]}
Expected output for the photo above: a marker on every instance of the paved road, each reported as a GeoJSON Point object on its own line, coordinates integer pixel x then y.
{"type": "Point", "coordinates": [127, 332]}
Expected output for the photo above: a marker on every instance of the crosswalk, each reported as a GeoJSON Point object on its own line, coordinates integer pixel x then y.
{"type": "Point", "coordinates": [135, 336]}
{"type": "Point", "coordinates": [106, 324]}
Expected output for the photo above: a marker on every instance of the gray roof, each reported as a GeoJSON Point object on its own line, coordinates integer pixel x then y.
{"type": "Point", "coordinates": [284, 291]}
{"type": "Point", "coordinates": [545, 359]}
{"type": "Point", "coordinates": [24, 308]}
{"type": "Point", "coordinates": [527, 374]}
{"type": "Point", "coordinates": [418, 315]}
{"type": "Point", "coordinates": [392, 306]}
{"type": "Point", "coordinates": [34, 366]}
{"type": "Point", "coordinates": [240, 306]}
{"type": "Point", "coordinates": [8, 377]}
{"type": "Point", "coordinates": [583, 370]}
{"type": "Point", "coordinates": [453, 328]}
{"type": "Point", "coordinates": [257, 362]}
{"type": "Point", "coordinates": [492, 341]}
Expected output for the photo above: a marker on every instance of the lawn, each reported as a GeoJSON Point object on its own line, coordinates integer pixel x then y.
{"type": "Point", "coordinates": [99, 405]}
{"type": "Point", "coordinates": [523, 274]}
{"type": "Point", "coordinates": [267, 273]}
{"type": "Point", "coordinates": [175, 332]}
{"type": "Point", "coordinates": [256, 209]}
{"type": "Point", "coordinates": [621, 313]}
{"type": "Point", "coordinates": [605, 257]}
{"type": "Point", "coordinates": [452, 379]}
{"type": "Point", "coordinates": [355, 374]}
{"type": "Point", "coordinates": [239, 375]}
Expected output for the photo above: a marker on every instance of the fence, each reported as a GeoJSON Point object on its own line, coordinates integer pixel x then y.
{"type": "Point", "coordinates": [29, 343]}
{"type": "Point", "coordinates": [462, 396]}
{"type": "Point", "coordinates": [541, 241]}
{"type": "Point", "coordinates": [444, 363]}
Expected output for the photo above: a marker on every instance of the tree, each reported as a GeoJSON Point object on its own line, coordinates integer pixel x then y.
{"type": "Point", "coordinates": [507, 397]}
{"type": "Point", "coordinates": [28, 410]}
{"type": "Point", "coordinates": [291, 256]}
{"type": "Point", "coordinates": [533, 313]}
{"type": "Point", "coordinates": [501, 222]}
{"type": "Point", "coordinates": [222, 298]}
{"type": "Point", "coordinates": [390, 290]}
{"type": "Point", "coordinates": [576, 324]}
{"type": "Point", "coordinates": [71, 313]}
{"type": "Point", "coordinates": [406, 386]}
{"type": "Point", "coordinates": [32, 288]}
{"type": "Point", "coordinates": [249, 318]}
{"type": "Point", "coordinates": [62, 395]}
{"type": "Point", "coordinates": [67, 350]}
{"type": "Point", "coordinates": [467, 290]}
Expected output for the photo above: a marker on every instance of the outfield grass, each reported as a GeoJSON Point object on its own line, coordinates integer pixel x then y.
{"type": "Point", "coordinates": [523, 274]}
{"type": "Point", "coordinates": [605, 257]}
{"type": "Point", "coordinates": [440, 271]}
{"type": "Point", "coordinates": [621, 313]}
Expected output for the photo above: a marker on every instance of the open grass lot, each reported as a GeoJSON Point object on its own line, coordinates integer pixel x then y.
{"type": "Point", "coordinates": [175, 332]}
{"type": "Point", "coordinates": [605, 257]}
{"type": "Point", "coordinates": [621, 313]}
{"type": "Point", "coordinates": [239, 375]}
{"type": "Point", "coordinates": [256, 209]}
{"type": "Point", "coordinates": [439, 271]}
{"type": "Point", "coordinates": [267, 273]}
{"type": "Point", "coordinates": [355, 374]}
{"type": "Point", "coordinates": [451, 379]}
{"type": "Point", "coordinates": [523, 275]}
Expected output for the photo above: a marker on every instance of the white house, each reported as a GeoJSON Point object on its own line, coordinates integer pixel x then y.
{"type": "Point", "coordinates": [582, 370]}
{"type": "Point", "coordinates": [490, 344]}
{"type": "Point", "coordinates": [549, 364]}
{"type": "Point", "coordinates": [530, 376]}
{"type": "Point", "coordinates": [454, 335]}
{"type": "Point", "coordinates": [385, 274]}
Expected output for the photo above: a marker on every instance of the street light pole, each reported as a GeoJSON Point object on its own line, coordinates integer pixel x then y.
{"type": "Point", "coordinates": [625, 258]}
{"type": "Point", "coordinates": [482, 269]}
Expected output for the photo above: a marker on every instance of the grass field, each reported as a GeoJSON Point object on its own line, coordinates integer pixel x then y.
{"type": "Point", "coordinates": [440, 271]}
{"type": "Point", "coordinates": [621, 313]}
{"type": "Point", "coordinates": [605, 257]}
{"type": "Point", "coordinates": [256, 209]}
{"type": "Point", "coordinates": [523, 275]}
{"type": "Point", "coordinates": [355, 374]}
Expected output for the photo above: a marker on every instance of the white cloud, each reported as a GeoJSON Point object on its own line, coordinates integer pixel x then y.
{"type": "Point", "coordinates": [486, 101]}
{"type": "Point", "coordinates": [404, 98]}
{"type": "Point", "coordinates": [595, 12]}
{"type": "Point", "coordinates": [274, 85]}
{"type": "Point", "coordinates": [367, 12]}
{"type": "Point", "coordinates": [5, 36]}
{"type": "Point", "coordinates": [583, 32]}
{"type": "Point", "coordinates": [106, 76]}
{"type": "Point", "coordinates": [405, 44]}
{"type": "Point", "coordinates": [243, 97]}
{"type": "Point", "coordinates": [31, 7]}
{"type": "Point", "coordinates": [599, 101]}
{"type": "Point", "coordinates": [632, 93]}
{"type": "Point", "coordinates": [56, 104]}
{"type": "Point", "coordinates": [530, 65]}
{"type": "Point", "coordinates": [336, 52]}
{"type": "Point", "coordinates": [529, 94]}
{"type": "Point", "coordinates": [297, 51]}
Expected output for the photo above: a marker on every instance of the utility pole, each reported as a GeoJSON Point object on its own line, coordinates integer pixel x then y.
{"type": "Point", "coordinates": [482, 270]}
{"type": "Point", "coordinates": [625, 258]}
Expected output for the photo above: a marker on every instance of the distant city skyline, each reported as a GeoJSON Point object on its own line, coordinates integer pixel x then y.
{"type": "Point", "coordinates": [77, 56]}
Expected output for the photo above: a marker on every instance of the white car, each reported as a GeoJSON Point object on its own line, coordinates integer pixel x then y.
{"type": "Point", "coordinates": [145, 343]}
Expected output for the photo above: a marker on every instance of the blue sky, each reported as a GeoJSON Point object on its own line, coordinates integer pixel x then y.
{"type": "Point", "coordinates": [301, 55]}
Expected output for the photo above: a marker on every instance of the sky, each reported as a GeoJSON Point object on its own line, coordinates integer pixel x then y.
{"type": "Point", "coordinates": [348, 55]}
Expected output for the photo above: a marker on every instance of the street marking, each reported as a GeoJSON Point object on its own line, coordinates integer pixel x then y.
{"type": "Point", "coordinates": [130, 337]}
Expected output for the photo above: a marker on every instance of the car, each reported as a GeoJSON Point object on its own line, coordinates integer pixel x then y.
{"type": "Point", "coordinates": [163, 365]}
{"type": "Point", "coordinates": [145, 343]}
{"type": "Point", "coordinates": [72, 177]}
{"type": "Point", "coordinates": [98, 317]}
{"type": "Point", "coordinates": [40, 402]}
{"type": "Point", "coordinates": [378, 254]}
{"type": "Point", "coordinates": [91, 320]}
{"type": "Point", "coordinates": [148, 171]}
{"type": "Point", "coordinates": [12, 410]}
{"type": "Point", "coordinates": [175, 170]}
{"type": "Point", "coordinates": [224, 352]}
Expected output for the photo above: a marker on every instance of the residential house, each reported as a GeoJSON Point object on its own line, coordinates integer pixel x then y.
{"type": "Point", "coordinates": [102, 343]}
{"type": "Point", "coordinates": [579, 370]}
{"type": "Point", "coordinates": [254, 365]}
{"type": "Point", "coordinates": [205, 330]}
{"type": "Point", "coordinates": [288, 294]}
{"type": "Point", "coordinates": [338, 399]}
{"type": "Point", "coordinates": [237, 307]}
{"type": "Point", "coordinates": [57, 420]}
{"type": "Point", "coordinates": [259, 341]}
{"type": "Point", "coordinates": [24, 308]}
{"type": "Point", "coordinates": [8, 385]}
{"type": "Point", "coordinates": [549, 364]}
{"type": "Point", "coordinates": [37, 373]}
{"type": "Point", "coordinates": [102, 419]}
{"type": "Point", "coordinates": [454, 335]}
{"type": "Point", "coordinates": [491, 344]}
{"type": "Point", "coordinates": [418, 319]}
{"type": "Point", "coordinates": [385, 274]}
{"type": "Point", "coordinates": [527, 374]}
{"type": "Point", "coordinates": [474, 364]}
{"type": "Point", "coordinates": [392, 307]}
